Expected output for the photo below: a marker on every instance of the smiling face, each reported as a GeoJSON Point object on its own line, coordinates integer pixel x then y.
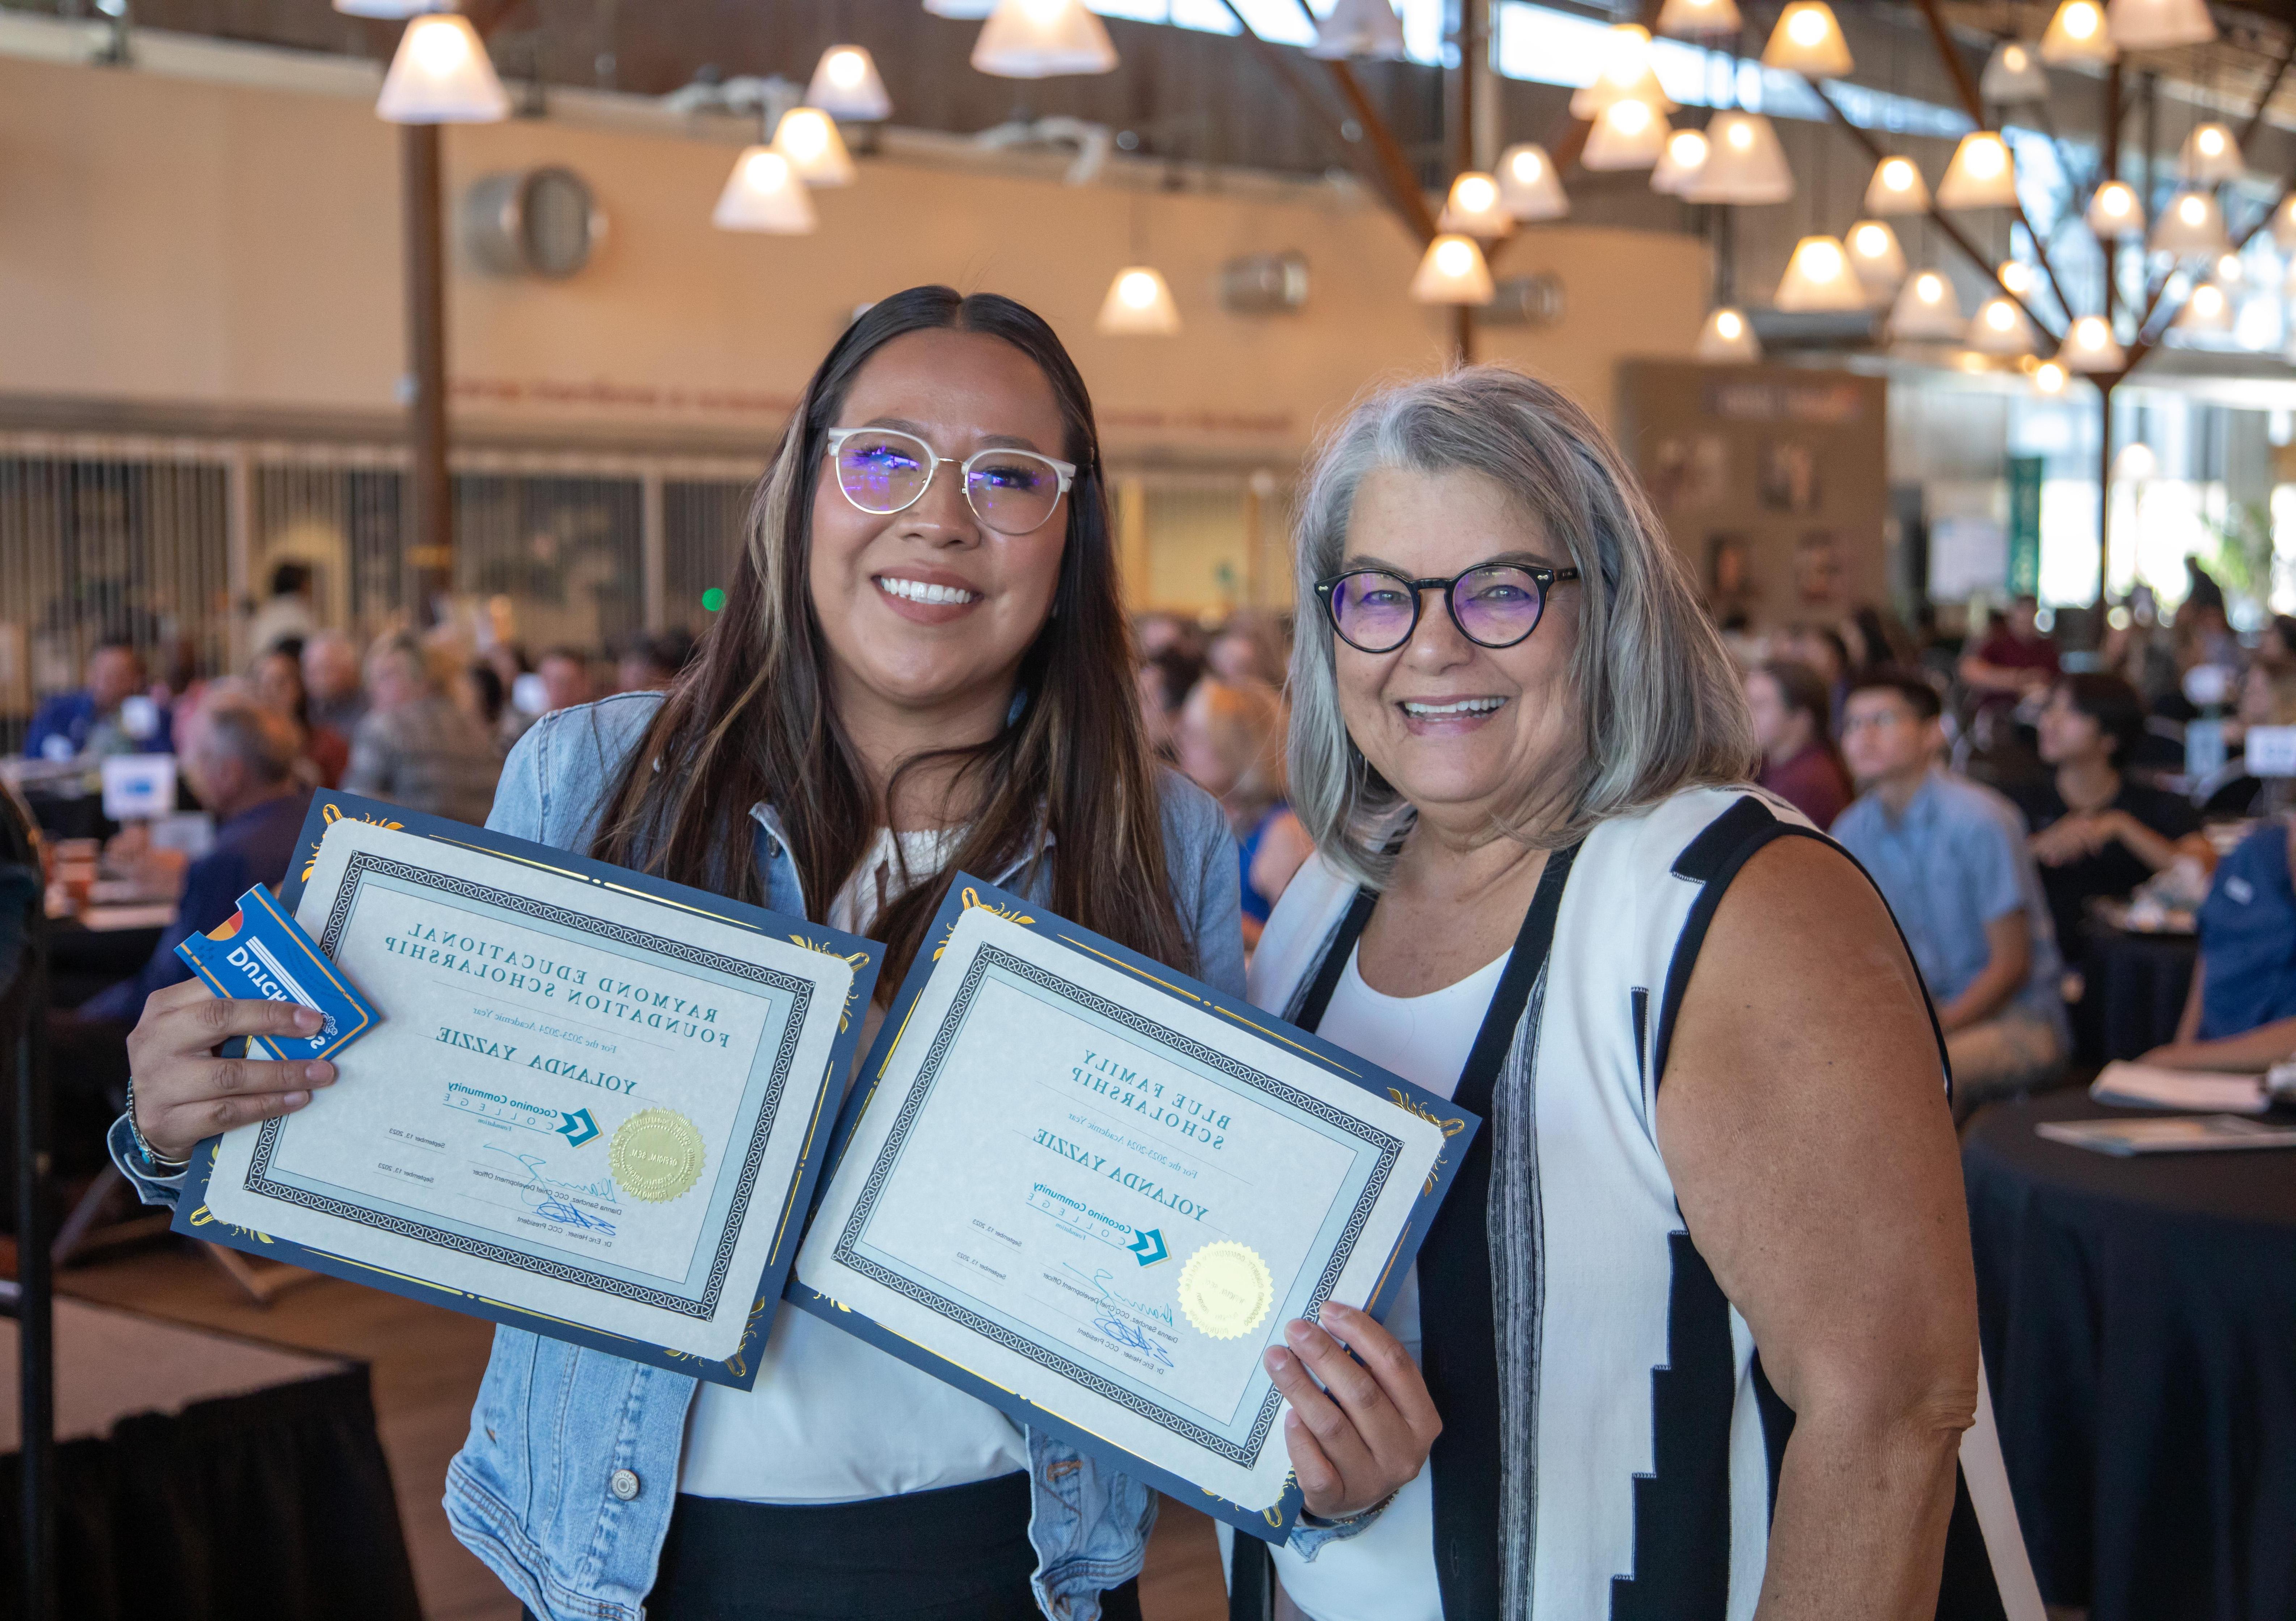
{"type": "Point", "coordinates": [1467, 733]}
{"type": "Point", "coordinates": [2068, 735]}
{"type": "Point", "coordinates": [928, 609]}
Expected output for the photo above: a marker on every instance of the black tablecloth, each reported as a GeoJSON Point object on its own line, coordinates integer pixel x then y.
{"type": "Point", "coordinates": [2136, 987]}
{"type": "Point", "coordinates": [2139, 1324]}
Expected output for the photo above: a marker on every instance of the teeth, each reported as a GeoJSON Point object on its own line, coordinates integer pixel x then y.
{"type": "Point", "coordinates": [1465, 706]}
{"type": "Point", "coordinates": [917, 591]}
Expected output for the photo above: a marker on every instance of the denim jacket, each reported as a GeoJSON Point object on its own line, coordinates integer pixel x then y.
{"type": "Point", "coordinates": [566, 1484]}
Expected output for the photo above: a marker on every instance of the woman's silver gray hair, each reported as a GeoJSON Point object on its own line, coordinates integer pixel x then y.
{"type": "Point", "coordinates": [1659, 703]}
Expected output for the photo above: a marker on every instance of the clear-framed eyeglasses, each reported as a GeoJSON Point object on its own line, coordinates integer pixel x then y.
{"type": "Point", "coordinates": [884, 471]}
{"type": "Point", "coordinates": [1376, 610]}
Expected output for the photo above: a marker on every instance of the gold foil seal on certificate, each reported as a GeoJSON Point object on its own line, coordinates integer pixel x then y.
{"type": "Point", "coordinates": [656, 1155]}
{"type": "Point", "coordinates": [1224, 1289]}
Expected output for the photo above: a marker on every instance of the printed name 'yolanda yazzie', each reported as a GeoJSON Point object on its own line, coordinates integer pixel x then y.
{"type": "Point", "coordinates": [1127, 1088]}
{"type": "Point", "coordinates": [560, 983]}
{"type": "Point", "coordinates": [1147, 1187]}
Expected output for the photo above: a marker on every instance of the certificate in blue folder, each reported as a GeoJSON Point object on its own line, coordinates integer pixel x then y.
{"type": "Point", "coordinates": [595, 1104]}
{"type": "Point", "coordinates": [1092, 1192]}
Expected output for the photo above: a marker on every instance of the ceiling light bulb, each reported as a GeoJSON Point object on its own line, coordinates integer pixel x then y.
{"type": "Point", "coordinates": [2076, 34]}
{"type": "Point", "coordinates": [1686, 147]}
{"type": "Point", "coordinates": [2230, 270]}
{"type": "Point", "coordinates": [1528, 185]}
{"type": "Point", "coordinates": [2192, 210]}
{"type": "Point", "coordinates": [1869, 239]}
{"type": "Point", "coordinates": [1629, 118]}
{"type": "Point", "coordinates": [1740, 136]}
{"type": "Point", "coordinates": [845, 86]}
{"type": "Point", "coordinates": [2210, 140]}
{"type": "Point", "coordinates": [2015, 57]}
{"type": "Point", "coordinates": [1452, 272]}
{"type": "Point", "coordinates": [809, 138]}
{"type": "Point", "coordinates": [2049, 377]}
{"type": "Point", "coordinates": [1474, 207]}
{"type": "Point", "coordinates": [1817, 277]}
{"type": "Point", "coordinates": [1727, 339]}
{"type": "Point", "coordinates": [764, 194]}
{"type": "Point", "coordinates": [1897, 174]}
{"type": "Point", "coordinates": [1806, 28]}
{"type": "Point", "coordinates": [1453, 258]}
{"type": "Point", "coordinates": [1928, 287]}
{"type": "Point", "coordinates": [1478, 193]}
{"type": "Point", "coordinates": [2082, 19]}
{"type": "Point", "coordinates": [2000, 316]}
{"type": "Point", "coordinates": [1981, 175]}
{"type": "Point", "coordinates": [1687, 151]}
{"type": "Point", "coordinates": [1138, 305]}
{"type": "Point", "coordinates": [2208, 300]}
{"type": "Point", "coordinates": [1527, 165]}
{"type": "Point", "coordinates": [2016, 276]}
{"type": "Point", "coordinates": [1729, 324]}
{"type": "Point", "coordinates": [1136, 288]}
{"type": "Point", "coordinates": [1807, 41]}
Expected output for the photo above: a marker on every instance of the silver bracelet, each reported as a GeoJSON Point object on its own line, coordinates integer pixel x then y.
{"type": "Point", "coordinates": [151, 1156]}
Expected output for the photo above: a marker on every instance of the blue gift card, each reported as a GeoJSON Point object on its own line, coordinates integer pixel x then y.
{"type": "Point", "coordinates": [262, 955]}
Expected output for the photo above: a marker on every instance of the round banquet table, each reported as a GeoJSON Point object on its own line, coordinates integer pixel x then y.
{"type": "Point", "coordinates": [2136, 987]}
{"type": "Point", "coordinates": [2139, 1324]}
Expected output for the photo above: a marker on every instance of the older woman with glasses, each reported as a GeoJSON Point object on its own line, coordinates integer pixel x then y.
{"type": "Point", "coordinates": [1699, 1316]}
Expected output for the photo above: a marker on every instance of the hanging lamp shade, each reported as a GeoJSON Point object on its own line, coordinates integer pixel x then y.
{"type": "Point", "coordinates": [2283, 227]}
{"type": "Point", "coordinates": [2155, 25]}
{"type": "Point", "coordinates": [1473, 208]}
{"type": "Point", "coordinates": [2114, 212]}
{"type": "Point", "coordinates": [1625, 75]}
{"type": "Point", "coordinates": [2014, 77]}
{"type": "Point", "coordinates": [2191, 226]}
{"type": "Point", "coordinates": [2090, 346]}
{"type": "Point", "coordinates": [1744, 162]}
{"type": "Point", "coordinates": [1138, 305]}
{"type": "Point", "coordinates": [1807, 41]}
{"type": "Point", "coordinates": [1727, 338]}
{"type": "Point", "coordinates": [764, 194]}
{"type": "Point", "coordinates": [1927, 308]}
{"type": "Point", "coordinates": [2000, 328]}
{"type": "Point", "coordinates": [1359, 30]}
{"type": "Point", "coordinates": [809, 138]}
{"type": "Point", "coordinates": [1679, 166]}
{"type": "Point", "coordinates": [2077, 35]}
{"type": "Point", "coordinates": [1819, 277]}
{"type": "Point", "coordinates": [1689, 19]}
{"type": "Point", "coordinates": [1528, 185]}
{"type": "Point", "coordinates": [1628, 134]}
{"type": "Point", "coordinates": [1875, 255]}
{"type": "Point", "coordinates": [386, 11]}
{"type": "Point", "coordinates": [2209, 309]}
{"type": "Point", "coordinates": [1896, 188]}
{"type": "Point", "coordinates": [2211, 154]}
{"type": "Point", "coordinates": [1452, 272]}
{"type": "Point", "coordinates": [1042, 39]}
{"type": "Point", "coordinates": [441, 75]}
{"type": "Point", "coordinates": [1981, 175]}
{"type": "Point", "coordinates": [846, 85]}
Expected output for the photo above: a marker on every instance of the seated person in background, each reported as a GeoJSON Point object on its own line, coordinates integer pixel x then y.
{"type": "Point", "coordinates": [565, 678]}
{"type": "Point", "coordinates": [651, 663]}
{"type": "Point", "coordinates": [2096, 833]}
{"type": "Point", "coordinates": [279, 686]}
{"type": "Point", "coordinates": [2241, 1013]}
{"type": "Point", "coordinates": [1949, 856]}
{"type": "Point", "coordinates": [1252, 646]}
{"type": "Point", "coordinates": [1230, 739]}
{"type": "Point", "coordinates": [2276, 645]}
{"type": "Point", "coordinates": [2014, 660]}
{"type": "Point", "coordinates": [112, 714]}
{"type": "Point", "coordinates": [286, 616]}
{"type": "Point", "coordinates": [1792, 715]}
{"type": "Point", "coordinates": [417, 747]}
{"type": "Point", "coordinates": [239, 758]}
{"type": "Point", "coordinates": [1165, 680]}
{"type": "Point", "coordinates": [330, 682]}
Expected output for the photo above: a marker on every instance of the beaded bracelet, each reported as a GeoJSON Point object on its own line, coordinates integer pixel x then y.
{"type": "Point", "coordinates": [151, 1156]}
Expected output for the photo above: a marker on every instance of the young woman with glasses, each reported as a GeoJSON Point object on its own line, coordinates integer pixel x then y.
{"type": "Point", "coordinates": [921, 667]}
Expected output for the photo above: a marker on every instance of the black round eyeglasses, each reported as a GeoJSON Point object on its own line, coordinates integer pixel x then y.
{"type": "Point", "coordinates": [1376, 610]}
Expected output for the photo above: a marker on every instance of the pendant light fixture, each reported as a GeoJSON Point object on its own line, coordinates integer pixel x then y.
{"type": "Point", "coordinates": [2077, 35]}
{"type": "Point", "coordinates": [1626, 74]}
{"type": "Point", "coordinates": [1628, 134]}
{"type": "Point", "coordinates": [1528, 185]}
{"type": "Point", "coordinates": [1999, 328]}
{"type": "Point", "coordinates": [1875, 255]}
{"type": "Point", "coordinates": [2156, 25]}
{"type": "Point", "coordinates": [1042, 39]}
{"type": "Point", "coordinates": [1727, 339]}
{"type": "Point", "coordinates": [1896, 188]}
{"type": "Point", "coordinates": [1927, 308]}
{"type": "Point", "coordinates": [846, 85]}
{"type": "Point", "coordinates": [1690, 18]}
{"type": "Point", "coordinates": [809, 138]}
{"type": "Point", "coordinates": [2049, 377]}
{"type": "Point", "coordinates": [1359, 30]}
{"type": "Point", "coordinates": [1452, 272]}
{"type": "Point", "coordinates": [2016, 276]}
{"type": "Point", "coordinates": [1138, 305]}
{"type": "Point", "coordinates": [2014, 77]}
{"type": "Point", "coordinates": [1981, 175]}
{"type": "Point", "coordinates": [2208, 310]}
{"type": "Point", "coordinates": [1744, 163]}
{"type": "Point", "coordinates": [2090, 346]}
{"type": "Point", "coordinates": [764, 194]}
{"type": "Point", "coordinates": [2210, 154]}
{"type": "Point", "coordinates": [2284, 228]}
{"type": "Point", "coordinates": [2191, 226]}
{"type": "Point", "coordinates": [1807, 41]}
{"type": "Point", "coordinates": [1818, 277]}
{"type": "Point", "coordinates": [441, 75]}
{"type": "Point", "coordinates": [2114, 212]}
{"type": "Point", "coordinates": [386, 11]}
{"type": "Point", "coordinates": [1473, 208]}
{"type": "Point", "coordinates": [1684, 156]}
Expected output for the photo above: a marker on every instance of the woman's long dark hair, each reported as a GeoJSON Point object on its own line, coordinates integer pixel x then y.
{"type": "Point", "coordinates": [751, 721]}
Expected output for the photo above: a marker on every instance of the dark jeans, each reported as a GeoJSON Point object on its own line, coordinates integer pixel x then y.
{"type": "Point", "coordinates": [958, 1554]}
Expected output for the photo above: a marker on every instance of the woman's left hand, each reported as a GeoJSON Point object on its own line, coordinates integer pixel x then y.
{"type": "Point", "coordinates": [1367, 1431]}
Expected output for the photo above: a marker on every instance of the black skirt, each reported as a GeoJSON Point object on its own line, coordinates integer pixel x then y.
{"type": "Point", "coordinates": [958, 1554]}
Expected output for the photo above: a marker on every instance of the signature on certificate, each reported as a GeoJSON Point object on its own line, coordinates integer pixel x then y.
{"type": "Point", "coordinates": [542, 1193]}
{"type": "Point", "coordinates": [1113, 1326]}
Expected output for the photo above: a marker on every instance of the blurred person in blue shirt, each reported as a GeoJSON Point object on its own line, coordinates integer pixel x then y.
{"type": "Point", "coordinates": [1950, 858]}
{"type": "Point", "coordinates": [2241, 1013]}
{"type": "Point", "coordinates": [113, 714]}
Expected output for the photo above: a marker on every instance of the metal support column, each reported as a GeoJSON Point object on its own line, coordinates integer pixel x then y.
{"type": "Point", "coordinates": [430, 526]}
